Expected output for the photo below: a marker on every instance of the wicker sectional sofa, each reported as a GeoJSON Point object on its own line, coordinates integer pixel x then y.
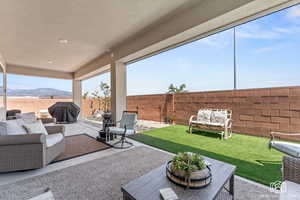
{"type": "Point", "coordinates": [31, 151]}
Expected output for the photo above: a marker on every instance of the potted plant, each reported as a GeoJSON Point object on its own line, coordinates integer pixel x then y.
{"type": "Point", "coordinates": [189, 170]}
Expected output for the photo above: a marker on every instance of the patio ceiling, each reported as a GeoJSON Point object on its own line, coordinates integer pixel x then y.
{"type": "Point", "coordinates": [34, 33]}
{"type": "Point", "coordinates": [74, 38]}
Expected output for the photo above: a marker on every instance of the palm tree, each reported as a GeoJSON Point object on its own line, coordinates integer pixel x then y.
{"type": "Point", "coordinates": [175, 90]}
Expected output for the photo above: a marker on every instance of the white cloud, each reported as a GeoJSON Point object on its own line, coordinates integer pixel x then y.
{"type": "Point", "coordinates": [219, 40]}
{"type": "Point", "coordinates": [283, 30]}
{"type": "Point", "coordinates": [293, 12]}
{"type": "Point", "coordinates": [264, 49]}
{"type": "Point", "coordinates": [254, 31]}
{"type": "Point", "coordinates": [214, 42]}
{"type": "Point", "coordinates": [287, 82]}
{"type": "Point", "coordinates": [287, 30]}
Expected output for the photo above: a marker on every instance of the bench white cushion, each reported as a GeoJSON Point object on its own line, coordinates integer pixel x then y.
{"type": "Point", "coordinates": [53, 139]}
{"type": "Point", "coordinates": [216, 124]}
{"type": "Point", "coordinates": [290, 191]}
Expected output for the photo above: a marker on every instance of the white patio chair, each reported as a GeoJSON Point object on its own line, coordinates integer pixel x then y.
{"type": "Point", "coordinates": [289, 148]}
{"type": "Point", "coordinates": [127, 126]}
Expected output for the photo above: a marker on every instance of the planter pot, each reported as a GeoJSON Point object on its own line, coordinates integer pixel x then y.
{"type": "Point", "coordinates": [198, 179]}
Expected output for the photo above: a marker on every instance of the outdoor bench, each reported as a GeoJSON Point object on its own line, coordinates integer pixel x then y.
{"type": "Point", "coordinates": [213, 118]}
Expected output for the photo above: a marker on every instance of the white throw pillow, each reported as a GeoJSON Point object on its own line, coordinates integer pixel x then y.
{"type": "Point", "coordinates": [36, 127]}
{"type": "Point", "coordinates": [15, 127]}
{"type": "Point", "coordinates": [27, 117]}
{"type": "Point", "coordinates": [53, 139]}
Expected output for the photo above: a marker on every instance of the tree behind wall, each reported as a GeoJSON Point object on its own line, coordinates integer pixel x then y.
{"type": "Point", "coordinates": [102, 96]}
{"type": "Point", "coordinates": [175, 90]}
{"type": "Point", "coordinates": [105, 88]}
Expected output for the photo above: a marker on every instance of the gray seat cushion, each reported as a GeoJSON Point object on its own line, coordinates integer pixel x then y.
{"type": "Point", "coordinates": [120, 131]}
{"type": "Point", "coordinates": [289, 148]}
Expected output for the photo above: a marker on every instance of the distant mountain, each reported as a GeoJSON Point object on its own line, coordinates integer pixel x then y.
{"type": "Point", "coordinates": [39, 92]}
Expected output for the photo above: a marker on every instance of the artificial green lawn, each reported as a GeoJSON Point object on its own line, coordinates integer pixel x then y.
{"type": "Point", "coordinates": [250, 154]}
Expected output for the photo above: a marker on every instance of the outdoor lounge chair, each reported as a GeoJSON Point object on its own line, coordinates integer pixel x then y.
{"type": "Point", "coordinates": [290, 187]}
{"type": "Point", "coordinates": [127, 126]}
{"type": "Point", "coordinates": [289, 148]}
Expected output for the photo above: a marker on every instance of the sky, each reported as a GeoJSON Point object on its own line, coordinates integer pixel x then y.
{"type": "Point", "coordinates": [267, 56]}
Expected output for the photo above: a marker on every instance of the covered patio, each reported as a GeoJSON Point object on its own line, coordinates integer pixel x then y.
{"type": "Point", "coordinates": [166, 25]}
{"type": "Point", "coordinates": [77, 40]}
{"type": "Point", "coordinates": [107, 180]}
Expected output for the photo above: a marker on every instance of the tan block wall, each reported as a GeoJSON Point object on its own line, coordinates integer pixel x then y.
{"type": "Point", "coordinates": [255, 111]}
{"type": "Point", "coordinates": [31, 104]}
{"type": "Point", "coordinates": [36, 104]}
{"type": "Point", "coordinates": [90, 105]}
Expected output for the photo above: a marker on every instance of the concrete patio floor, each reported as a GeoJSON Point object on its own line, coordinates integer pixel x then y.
{"type": "Point", "coordinates": [244, 189]}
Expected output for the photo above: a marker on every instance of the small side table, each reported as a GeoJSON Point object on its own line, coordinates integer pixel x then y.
{"type": "Point", "coordinates": [104, 135]}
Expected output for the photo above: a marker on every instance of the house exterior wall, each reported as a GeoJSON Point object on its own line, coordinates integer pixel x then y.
{"type": "Point", "coordinates": [255, 111]}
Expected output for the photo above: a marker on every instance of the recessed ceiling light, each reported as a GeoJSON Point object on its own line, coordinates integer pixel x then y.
{"type": "Point", "coordinates": [50, 61]}
{"type": "Point", "coordinates": [63, 41]}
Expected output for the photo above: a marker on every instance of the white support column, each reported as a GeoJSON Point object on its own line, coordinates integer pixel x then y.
{"type": "Point", "coordinates": [77, 94]}
{"type": "Point", "coordinates": [118, 89]}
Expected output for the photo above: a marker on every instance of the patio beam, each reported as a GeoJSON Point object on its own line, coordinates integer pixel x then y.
{"type": "Point", "coordinates": [118, 89]}
{"type": "Point", "coordinates": [97, 66]}
{"type": "Point", "coordinates": [30, 71]}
